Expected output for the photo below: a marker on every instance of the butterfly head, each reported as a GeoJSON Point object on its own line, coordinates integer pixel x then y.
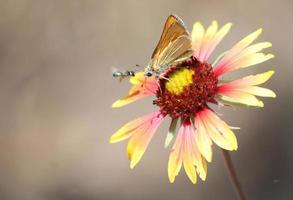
{"type": "Point", "coordinates": [148, 72]}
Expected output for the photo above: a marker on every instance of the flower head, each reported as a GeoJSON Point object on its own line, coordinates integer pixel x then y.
{"type": "Point", "coordinates": [185, 93]}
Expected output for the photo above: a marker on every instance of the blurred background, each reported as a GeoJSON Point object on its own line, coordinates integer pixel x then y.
{"type": "Point", "coordinates": [56, 91]}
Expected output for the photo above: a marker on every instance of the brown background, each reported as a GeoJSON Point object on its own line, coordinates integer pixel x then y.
{"type": "Point", "coordinates": [56, 92]}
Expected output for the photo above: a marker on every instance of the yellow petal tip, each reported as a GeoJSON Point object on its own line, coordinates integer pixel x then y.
{"type": "Point", "coordinates": [117, 104]}
{"type": "Point", "coordinates": [270, 56]}
{"type": "Point", "coordinates": [112, 139]}
{"type": "Point", "coordinates": [171, 180]}
{"type": "Point", "coordinates": [259, 31]}
{"type": "Point", "coordinates": [197, 24]}
{"type": "Point", "coordinates": [270, 44]}
{"type": "Point", "coordinates": [229, 24]}
{"type": "Point", "coordinates": [209, 159]}
{"type": "Point", "coordinates": [271, 72]}
{"type": "Point", "coordinates": [273, 95]}
{"type": "Point", "coordinates": [133, 164]}
{"type": "Point", "coordinates": [203, 178]}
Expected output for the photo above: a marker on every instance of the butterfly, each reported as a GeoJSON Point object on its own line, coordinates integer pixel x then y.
{"type": "Point", "coordinates": [173, 47]}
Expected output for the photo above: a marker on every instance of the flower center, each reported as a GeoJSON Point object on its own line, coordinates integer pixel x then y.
{"type": "Point", "coordinates": [179, 80]}
{"type": "Point", "coordinates": [186, 88]}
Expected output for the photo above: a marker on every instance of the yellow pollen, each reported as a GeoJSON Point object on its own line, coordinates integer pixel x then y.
{"type": "Point", "coordinates": [179, 80]}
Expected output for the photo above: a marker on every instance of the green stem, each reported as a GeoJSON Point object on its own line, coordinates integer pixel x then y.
{"type": "Point", "coordinates": [233, 175]}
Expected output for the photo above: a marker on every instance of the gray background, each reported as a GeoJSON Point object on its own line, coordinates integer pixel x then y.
{"type": "Point", "coordinates": [56, 92]}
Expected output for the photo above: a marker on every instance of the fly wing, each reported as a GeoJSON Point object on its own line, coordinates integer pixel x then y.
{"type": "Point", "coordinates": [177, 51]}
{"type": "Point", "coordinates": [174, 28]}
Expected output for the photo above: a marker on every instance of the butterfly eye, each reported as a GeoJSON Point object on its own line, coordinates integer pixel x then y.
{"type": "Point", "coordinates": [148, 74]}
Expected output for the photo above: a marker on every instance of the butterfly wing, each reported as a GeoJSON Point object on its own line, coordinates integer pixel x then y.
{"type": "Point", "coordinates": [174, 27]}
{"type": "Point", "coordinates": [177, 51]}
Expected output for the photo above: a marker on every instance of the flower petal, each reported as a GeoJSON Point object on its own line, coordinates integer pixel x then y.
{"type": "Point", "coordinates": [242, 44]}
{"type": "Point", "coordinates": [254, 49]}
{"type": "Point", "coordinates": [218, 130]}
{"type": "Point", "coordinates": [197, 35]}
{"type": "Point", "coordinates": [245, 61]}
{"type": "Point", "coordinates": [134, 94]}
{"type": "Point", "coordinates": [191, 154]}
{"type": "Point", "coordinates": [142, 137]}
{"type": "Point", "coordinates": [143, 87]}
{"type": "Point", "coordinates": [242, 55]}
{"type": "Point", "coordinates": [243, 90]}
{"type": "Point", "coordinates": [185, 152]}
{"type": "Point", "coordinates": [203, 140]}
{"type": "Point", "coordinates": [208, 37]}
{"type": "Point", "coordinates": [141, 131]}
{"type": "Point", "coordinates": [175, 158]}
{"type": "Point", "coordinates": [253, 79]}
{"type": "Point", "coordinates": [242, 98]}
{"type": "Point", "coordinates": [171, 133]}
{"type": "Point", "coordinates": [258, 91]}
{"type": "Point", "coordinates": [130, 128]}
{"type": "Point", "coordinates": [212, 40]}
{"type": "Point", "coordinates": [204, 43]}
{"type": "Point", "coordinates": [202, 168]}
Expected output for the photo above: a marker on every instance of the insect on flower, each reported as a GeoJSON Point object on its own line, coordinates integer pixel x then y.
{"type": "Point", "coordinates": [173, 47]}
{"type": "Point", "coordinates": [123, 74]}
{"type": "Point", "coordinates": [186, 93]}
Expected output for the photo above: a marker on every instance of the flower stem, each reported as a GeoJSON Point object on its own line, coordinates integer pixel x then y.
{"type": "Point", "coordinates": [233, 176]}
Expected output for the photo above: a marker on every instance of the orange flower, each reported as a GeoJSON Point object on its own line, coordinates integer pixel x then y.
{"type": "Point", "coordinates": [185, 95]}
